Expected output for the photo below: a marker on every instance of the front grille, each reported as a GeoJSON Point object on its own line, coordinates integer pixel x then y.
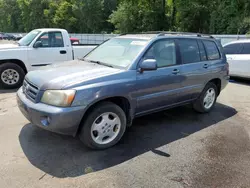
{"type": "Point", "coordinates": [30, 90]}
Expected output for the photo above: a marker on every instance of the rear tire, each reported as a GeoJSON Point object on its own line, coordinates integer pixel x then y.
{"type": "Point", "coordinates": [11, 76]}
{"type": "Point", "coordinates": [104, 126]}
{"type": "Point", "coordinates": [207, 99]}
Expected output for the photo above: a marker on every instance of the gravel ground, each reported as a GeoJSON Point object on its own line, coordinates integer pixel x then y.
{"type": "Point", "coordinates": [174, 148]}
{"type": "Point", "coordinates": [7, 41]}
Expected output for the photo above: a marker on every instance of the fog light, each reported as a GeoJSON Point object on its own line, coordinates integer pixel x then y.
{"type": "Point", "coordinates": [45, 121]}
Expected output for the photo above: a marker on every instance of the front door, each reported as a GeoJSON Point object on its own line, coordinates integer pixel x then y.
{"type": "Point", "coordinates": [159, 88]}
{"type": "Point", "coordinates": [51, 51]}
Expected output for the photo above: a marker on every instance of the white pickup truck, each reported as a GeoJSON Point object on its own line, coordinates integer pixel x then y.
{"type": "Point", "coordinates": [38, 48]}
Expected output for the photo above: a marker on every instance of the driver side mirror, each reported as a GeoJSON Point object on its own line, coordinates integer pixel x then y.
{"type": "Point", "coordinates": [148, 65]}
{"type": "Point", "coordinates": [38, 44]}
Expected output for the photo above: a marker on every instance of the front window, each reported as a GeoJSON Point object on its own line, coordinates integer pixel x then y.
{"type": "Point", "coordinates": [117, 51]}
{"type": "Point", "coordinates": [163, 52]}
{"type": "Point", "coordinates": [25, 41]}
{"type": "Point", "coordinates": [51, 40]}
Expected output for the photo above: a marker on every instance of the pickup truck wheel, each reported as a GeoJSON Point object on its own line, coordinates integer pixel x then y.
{"type": "Point", "coordinates": [207, 99]}
{"type": "Point", "coordinates": [104, 126]}
{"type": "Point", "coordinates": [11, 76]}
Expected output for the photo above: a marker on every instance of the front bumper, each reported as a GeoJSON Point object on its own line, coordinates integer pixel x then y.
{"type": "Point", "coordinates": [56, 119]}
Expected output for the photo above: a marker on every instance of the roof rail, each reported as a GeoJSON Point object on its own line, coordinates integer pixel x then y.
{"type": "Point", "coordinates": [184, 33]}
{"type": "Point", "coordinates": [162, 33]}
{"type": "Point", "coordinates": [139, 33]}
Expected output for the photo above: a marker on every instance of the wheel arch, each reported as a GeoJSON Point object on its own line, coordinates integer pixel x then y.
{"type": "Point", "coordinates": [15, 61]}
{"type": "Point", "coordinates": [217, 82]}
{"type": "Point", "coordinates": [121, 101]}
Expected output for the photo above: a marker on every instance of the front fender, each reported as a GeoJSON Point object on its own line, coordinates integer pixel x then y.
{"type": "Point", "coordinates": [16, 54]}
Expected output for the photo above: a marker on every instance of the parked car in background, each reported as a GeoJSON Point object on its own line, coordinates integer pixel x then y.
{"type": "Point", "coordinates": [1, 36]}
{"type": "Point", "coordinates": [238, 57]}
{"type": "Point", "coordinates": [39, 48]}
{"type": "Point", "coordinates": [18, 36]}
{"type": "Point", "coordinates": [7, 36]}
{"type": "Point", "coordinates": [97, 98]}
{"type": "Point", "coordinates": [74, 41]}
{"type": "Point", "coordinates": [10, 36]}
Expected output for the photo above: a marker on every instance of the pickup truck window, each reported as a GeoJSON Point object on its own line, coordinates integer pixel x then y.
{"type": "Point", "coordinates": [25, 41]}
{"type": "Point", "coordinates": [51, 39]}
{"type": "Point", "coordinates": [117, 51]}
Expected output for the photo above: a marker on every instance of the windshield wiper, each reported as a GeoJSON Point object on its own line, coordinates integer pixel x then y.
{"type": "Point", "coordinates": [97, 62]}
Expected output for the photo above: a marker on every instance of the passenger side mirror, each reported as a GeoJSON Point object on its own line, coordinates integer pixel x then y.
{"type": "Point", "coordinates": [148, 65]}
{"type": "Point", "coordinates": [38, 44]}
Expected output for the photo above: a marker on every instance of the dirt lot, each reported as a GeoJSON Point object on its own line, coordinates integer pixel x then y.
{"type": "Point", "coordinates": [7, 41]}
{"type": "Point", "coordinates": [175, 148]}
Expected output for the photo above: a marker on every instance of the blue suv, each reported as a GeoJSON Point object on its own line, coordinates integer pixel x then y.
{"type": "Point", "coordinates": [97, 97]}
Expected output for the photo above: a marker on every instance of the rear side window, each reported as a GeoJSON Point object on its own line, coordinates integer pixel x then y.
{"type": "Point", "coordinates": [246, 48]}
{"type": "Point", "coordinates": [212, 50]}
{"type": "Point", "coordinates": [202, 51]}
{"type": "Point", "coordinates": [233, 48]}
{"type": "Point", "coordinates": [189, 50]}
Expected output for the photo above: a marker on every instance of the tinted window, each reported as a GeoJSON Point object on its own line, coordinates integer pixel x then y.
{"type": "Point", "coordinates": [203, 54]}
{"type": "Point", "coordinates": [232, 48]}
{"type": "Point", "coordinates": [189, 50]}
{"type": "Point", "coordinates": [246, 48]}
{"type": "Point", "coordinates": [51, 39]}
{"type": "Point", "coordinates": [163, 52]}
{"type": "Point", "coordinates": [212, 50]}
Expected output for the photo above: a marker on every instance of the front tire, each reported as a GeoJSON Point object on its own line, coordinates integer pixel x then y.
{"type": "Point", "coordinates": [207, 99]}
{"type": "Point", "coordinates": [11, 76]}
{"type": "Point", "coordinates": [104, 126]}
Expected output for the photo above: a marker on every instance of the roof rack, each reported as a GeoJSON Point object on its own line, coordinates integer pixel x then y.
{"type": "Point", "coordinates": [163, 33]}
{"type": "Point", "coordinates": [184, 33]}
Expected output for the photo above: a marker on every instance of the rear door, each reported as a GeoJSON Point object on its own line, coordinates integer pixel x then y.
{"type": "Point", "coordinates": [238, 56]}
{"type": "Point", "coordinates": [196, 66]}
{"type": "Point", "coordinates": [159, 88]}
{"type": "Point", "coordinates": [52, 50]}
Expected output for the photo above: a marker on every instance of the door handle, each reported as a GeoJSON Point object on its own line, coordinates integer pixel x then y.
{"type": "Point", "coordinates": [175, 71]}
{"type": "Point", "coordinates": [205, 66]}
{"type": "Point", "coordinates": [63, 52]}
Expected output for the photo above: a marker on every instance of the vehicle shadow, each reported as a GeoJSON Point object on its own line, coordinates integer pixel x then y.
{"type": "Point", "coordinates": [240, 81]}
{"type": "Point", "coordinates": [63, 156]}
{"type": "Point", "coordinates": [8, 90]}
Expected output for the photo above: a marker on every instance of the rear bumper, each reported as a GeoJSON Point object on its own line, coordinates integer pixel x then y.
{"type": "Point", "coordinates": [55, 119]}
{"type": "Point", "coordinates": [224, 81]}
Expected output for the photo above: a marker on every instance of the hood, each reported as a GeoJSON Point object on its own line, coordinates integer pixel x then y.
{"type": "Point", "coordinates": [8, 46]}
{"type": "Point", "coordinates": [68, 74]}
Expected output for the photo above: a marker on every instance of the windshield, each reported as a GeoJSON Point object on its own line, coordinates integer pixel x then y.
{"type": "Point", "coordinates": [25, 41]}
{"type": "Point", "coordinates": [117, 51]}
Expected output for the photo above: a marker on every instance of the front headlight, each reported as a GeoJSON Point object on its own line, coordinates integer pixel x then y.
{"type": "Point", "coordinates": [62, 98]}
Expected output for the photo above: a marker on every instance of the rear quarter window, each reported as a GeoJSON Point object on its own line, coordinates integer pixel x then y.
{"type": "Point", "coordinates": [212, 50]}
